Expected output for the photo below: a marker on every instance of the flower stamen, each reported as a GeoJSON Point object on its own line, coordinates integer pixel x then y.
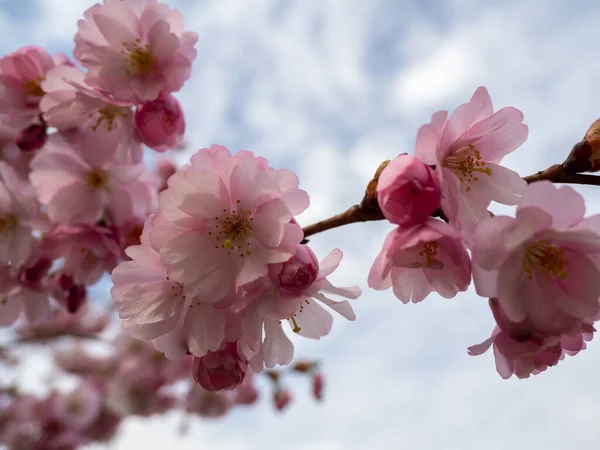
{"type": "Point", "coordinates": [466, 163]}
{"type": "Point", "coordinates": [546, 259]}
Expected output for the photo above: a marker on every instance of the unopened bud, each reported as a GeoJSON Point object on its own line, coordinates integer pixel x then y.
{"type": "Point", "coordinates": [160, 124]}
{"type": "Point", "coordinates": [76, 298]}
{"type": "Point", "coordinates": [222, 370]}
{"type": "Point", "coordinates": [32, 138]}
{"type": "Point", "coordinates": [300, 271]}
{"type": "Point", "coordinates": [585, 155]}
{"type": "Point", "coordinates": [282, 398]}
{"type": "Point", "coordinates": [317, 385]}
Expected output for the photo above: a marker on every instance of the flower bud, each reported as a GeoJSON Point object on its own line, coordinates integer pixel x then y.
{"type": "Point", "coordinates": [164, 169]}
{"type": "Point", "coordinates": [282, 398]}
{"type": "Point", "coordinates": [300, 271]}
{"type": "Point", "coordinates": [317, 385]}
{"type": "Point", "coordinates": [76, 298]}
{"type": "Point", "coordinates": [160, 123]}
{"type": "Point", "coordinates": [408, 191]}
{"type": "Point", "coordinates": [222, 370]}
{"type": "Point", "coordinates": [32, 137]}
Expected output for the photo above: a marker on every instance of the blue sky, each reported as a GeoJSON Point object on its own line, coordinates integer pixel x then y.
{"type": "Point", "coordinates": [330, 89]}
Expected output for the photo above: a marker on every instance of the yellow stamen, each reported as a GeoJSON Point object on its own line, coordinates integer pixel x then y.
{"type": "Point", "coordinates": [107, 116]}
{"type": "Point", "coordinates": [296, 328]}
{"type": "Point", "coordinates": [466, 163]}
{"type": "Point", "coordinates": [429, 251]}
{"type": "Point", "coordinates": [98, 179]}
{"type": "Point", "coordinates": [546, 259]}
{"type": "Point", "coordinates": [33, 87]}
{"type": "Point", "coordinates": [140, 60]}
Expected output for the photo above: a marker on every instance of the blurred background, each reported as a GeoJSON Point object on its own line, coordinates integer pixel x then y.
{"type": "Point", "coordinates": [330, 88]}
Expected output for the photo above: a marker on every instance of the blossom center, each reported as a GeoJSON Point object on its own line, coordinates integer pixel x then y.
{"type": "Point", "coordinates": [466, 164]}
{"type": "Point", "coordinates": [33, 87]}
{"type": "Point", "coordinates": [9, 223]}
{"type": "Point", "coordinates": [98, 179]}
{"type": "Point", "coordinates": [429, 252]}
{"type": "Point", "coordinates": [233, 230]}
{"type": "Point", "coordinates": [547, 259]}
{"type": "Point", "coordinates": [140, 60]}
{"type": "Point", "coordinates": [107, 116]}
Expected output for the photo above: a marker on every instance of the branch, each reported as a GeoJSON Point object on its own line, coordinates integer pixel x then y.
{"type": "Point", "coordinates": [368, 209]}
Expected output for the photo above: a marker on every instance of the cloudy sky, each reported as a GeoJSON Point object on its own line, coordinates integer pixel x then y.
{"type": "Point", "coordinates": [330, 88]}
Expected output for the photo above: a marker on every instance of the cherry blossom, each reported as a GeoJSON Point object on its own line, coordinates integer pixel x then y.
{"type": "Point", "coordinates": [135, 51]}
{"type": "Point", "coordinates": [467, 148]}
{"type": "Point", "coordinates": [419, 260]}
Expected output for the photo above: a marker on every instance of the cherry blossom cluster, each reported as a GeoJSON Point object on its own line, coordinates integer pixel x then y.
{"type": "Point", "coordinates": [221, 266]}
{"type": "Point", "coordinates": [540, 269]}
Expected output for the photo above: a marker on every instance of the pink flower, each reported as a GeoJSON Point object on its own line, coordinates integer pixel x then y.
{"type": "Point", "coordinates": [467, 149]}
{"type": "Point", "coordinates": [268, 303]}
{"type": "Point", "coordinates": [417, 261]}
{"type": "Point", "coordinates": [80, 408]}
{"type": "Point", "coordinates": [89, 251]}
{"type": "Point", "coordinates": [21, 74]}
{"type": "Point", "coordinates": [408, 191]}
{"type": "Point", "coordinates": [160, 123]}
{"type": "Point", "coordinates": [542, 265]}
{"type": "Point", "coordinates": [81, 184]}
{"type": "Point", "coordinates": [526, 357]}
{"type": "Point", "coordinates": [19, 215]}
{"type": "Point", "coordinates": [26, 292]}
{"type": "Point", "coordinates": [222, 370]}
{"type": "Point", "coordinates": [150, 303]}
{"type": "Point", "coordinates": [135, 51]}
{"type": "Point", "coordinates": [70, 104]}
{"type": "Point", "coordinates": [223, 219]}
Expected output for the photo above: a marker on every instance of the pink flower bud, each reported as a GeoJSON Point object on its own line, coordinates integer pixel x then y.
{"type": "Point", "coordinates": [222, 370]}
{"type": "Point", "coordinates": [317, 385]}
{"type": "Point", "coordinates": [300, 271]}
{"type": "Point", "coordinates": [32, 137]}
{"type": "Point", "coordinates": [408, 191]}
{"type": "Point", "coordinates": [160, 123]}
{"type": "Point", "coordinates": [164, 169]}
{"type": "Point", "coordinates": [282, 398]}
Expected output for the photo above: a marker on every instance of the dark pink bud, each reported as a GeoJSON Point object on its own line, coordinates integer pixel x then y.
{"type": "Point", "coordinates": [65, 282]}
{"type": "Point", "coordinates": [317, 385]}
{"type": "Point", "coordinates": [300, 271]}
{"type": "Point", "coordinates": [164, 169]}
{"type": "Point", "coordinates": [282, 398]}
{"type": "Point", "coordinates": [32, 275]}
{"type": "Point", "coordinates": [222, 370]}
{"type": "Point", "coordinates": [408, 191]}
{"type": "Point", "coordinates": [160, 123]}
{"type": "Point", "coordinates": [32, 138]}
{"type": "Point", "coordinates": [76, 298]}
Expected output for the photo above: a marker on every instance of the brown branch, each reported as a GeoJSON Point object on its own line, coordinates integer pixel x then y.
{"type": "Point", "coordinates": [369, 210]}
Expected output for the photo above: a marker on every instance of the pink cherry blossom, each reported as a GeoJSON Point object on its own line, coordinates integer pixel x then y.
{"type": "Point", "coordinates": [81, 184]}
{"type": "Point", "coordinates": [267, 303]}
{"type": "Point", "coordinates": [467, 148]}
{"type": "Point", "coordinates": [542, 265]}
{"type": "Point", "coordinates": [21, 74]}
{"type": "Point", "coordinates": [89, 251]}
{"type": "Point", "coordinates": [80, 408]}
{"type": "Point", "coordinates": [135, 52]}
{"type": "Point", "coordinates": [408, 191]}
{"type": "Point", "coordinates": [70, 104]}
{"type": "Point", "coordinates": [222, 370]}
{"type": "Point", "coordinates": [223, 219]}
{"type": "Point", "coordinates": [19, 215]}
{"type": "Point", "coordinates": [160, 123]}
{"type": "Point", "coordinates": [425, 258]}
{"type": "Point", "coordinates": [523, 358]}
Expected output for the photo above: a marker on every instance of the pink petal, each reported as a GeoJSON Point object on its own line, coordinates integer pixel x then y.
{"type": "Point", "coordinates": [277, 347]}
{"type": "Point", "coordinates": [329, 263]}
{"type": "Point", "coordinates": [564, 204]}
